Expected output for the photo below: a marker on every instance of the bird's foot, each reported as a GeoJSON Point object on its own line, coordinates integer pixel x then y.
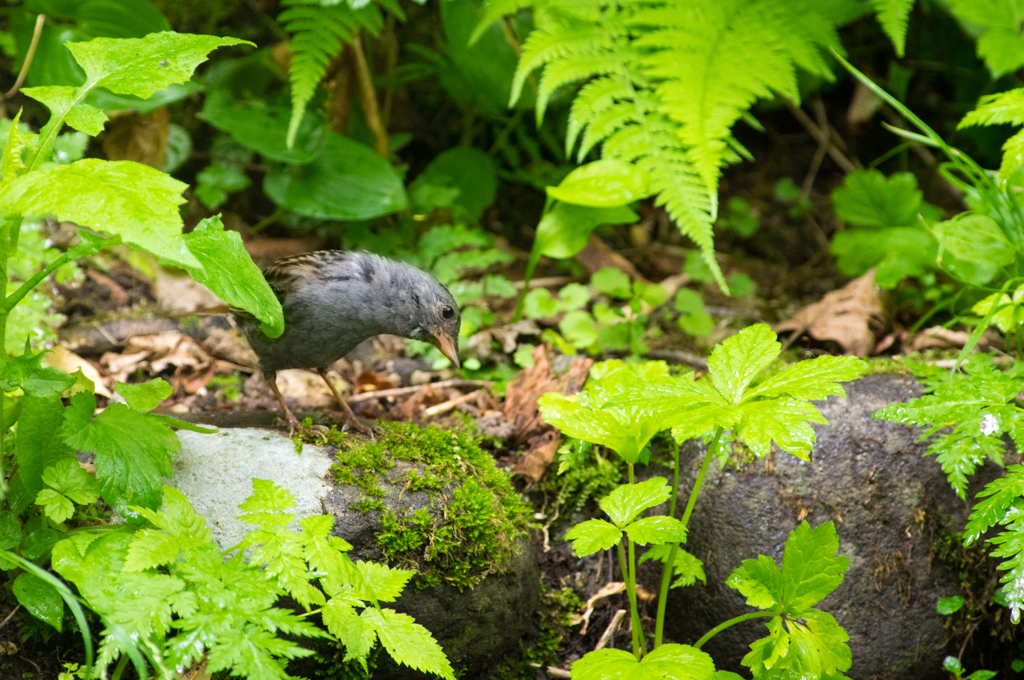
{"type": "Point", "coordinates": [306, 431]}
{"type": "Point", "coordinates": [347, 418]}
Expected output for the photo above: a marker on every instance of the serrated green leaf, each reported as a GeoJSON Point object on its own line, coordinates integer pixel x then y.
{"type": "Point", "coordinates": [627, 501]}
{"type": "Point", "coordinates": [659, 529]}
{"type": "Point", "coordinates": [144, 397]}
{"type": "Point", "coordinates": [40, 598]}
{"type": "Point", "coordinates": [810, 568]}
{"type": "Point", "coordinates": [468, 171]}
{"type": "Point", "coordinates": [760, 581]}
{"type": "Point", "coordinates": [144, 66]}
{"type": "Point", "coordinates": [122, 198]}
{"type": "Point", "coordinates": [178, 528]}
{"type": "Point", "coordinates": [869, 199]}
{"type": "Point", "coordinates": [345, 624]}
{"type": "Point", "coordinates": [381, 582]}
{"type": "Point", "coordinates": [688, 569]}
{"type": "Point", "coordinates": [625, 429]}
{"type": "Point", "coordinates": [55, 505]}
{"type": "Point", "coordinates": [669, 661]}
{"type": "Point", "coordinates": [68, 477]}
{"type": "Point", "coordinates": [27, 372]}
{"type": "Point", "coordinates": [61, 100]}
{"type": "Point", "coordinates": [973, 237]}
{"type": "Point", "coordinates": [612, 281]}
{"type": "Point", "coordinates": [998, 495]}
{"type": "Point", "coordinates": [893, 16]}
{"type": "Point", "coordinates": [606, 183]}
{"type": "Point", "coordinates": [782, 420]}
{"type": "Point", "coordinates": [815, 378]}
{"type": "Point", "coordinates": [229, 272]}
{"type": "Point", "coordinates": [407, 642]}
{"type": "Point", "coordinates": [739, 358]}
{"type": "Point", "coordinates": [592, 535]}
{"type": "Point", "coordinates": [39, 443]}
{"type": "Point", "coordinates": [133, 451]}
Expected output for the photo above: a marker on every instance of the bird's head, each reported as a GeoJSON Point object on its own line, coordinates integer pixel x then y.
{"type": "Point", "coordinates": [438, 320]}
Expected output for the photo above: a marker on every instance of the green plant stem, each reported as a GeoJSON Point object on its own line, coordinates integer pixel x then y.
{"type": "Point", "coordinates": [634, 612]}
{"type": "Point", "coordinates": [731, 622]}
{"type": "Point", "coordinates": [668, 567]}
{"type": "Point", "coordinates": [25, 288]}
{"type": "Point", "coordinates": [120, 667]}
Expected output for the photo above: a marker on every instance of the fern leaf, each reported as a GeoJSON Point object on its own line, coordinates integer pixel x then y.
{"type": "Point", "coordinates": [318, 33]}
{"type": "Point", "coordinates": [494, 10]}
{"type": "Point", "coordinates": [893, 15]}
{"type": "Point", "coordinates": [1001, 109]}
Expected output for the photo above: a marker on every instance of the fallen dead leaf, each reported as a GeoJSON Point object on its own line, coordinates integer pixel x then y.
{"type": "Point", "coordinates": [534, 463]}
{"type": "Point", "coordinates": [844, 315]}
{"type": "Point", "coordinates": [139, 138]}
{"type": "Point", "coordinates": [179, 292]}
{"type": "Point", "coordinates": [598, 255]}
{"type": "Point", "coordinates": [864, 105]}
{"type": "Point", "coordinates": [69, 362]}
{"type": "Point", "coordinates": [522, 393]}
{"type": "Point", "coordinates": [230, 346]}
{"type": "Point", "coordinates": [938, 337]}
{"type": "Point", "coordinates": [154, 354]}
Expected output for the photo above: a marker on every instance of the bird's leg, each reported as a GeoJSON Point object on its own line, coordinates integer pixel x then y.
{"type": "Point", "coordinates": [349, 415]}
{"type": "Point", "coordinates": [293, 423]}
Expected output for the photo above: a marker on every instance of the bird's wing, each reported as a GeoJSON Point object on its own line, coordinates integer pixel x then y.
{"type": "Point", "coordinates": [290, 274]}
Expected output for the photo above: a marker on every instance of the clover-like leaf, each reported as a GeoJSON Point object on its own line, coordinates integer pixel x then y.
{"type": "Point", "coordinates": [739, 358]}
{"type": "Point", "coordinates": [659, 530]}
{"type": "Point", "coordinates": [627, 501]}
{"type": "Point", "coordinates": [145, 396]}
{"type": "Point", "coordinates": [592, 535]}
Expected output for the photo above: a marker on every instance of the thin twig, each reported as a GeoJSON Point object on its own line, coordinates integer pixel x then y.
{"type": "Point", "coordinates": [10, 616]}
{"type": "Point", "coordinates": [399, 391]}
{"type": "Point", "coordinates": [553, 671]}
{"type": "Point", "coordinates": [819, 154]}
{"type": "Point", "coordinates": [40, 20]}
{"type": "Point", "coordinates": [610, 630]}
{"type": "Point", "coordinates": [833, 150]}
{"type": "Point", "coordinates": [548, 282]}
{"type": "Point", "coordinates": [450, 404]}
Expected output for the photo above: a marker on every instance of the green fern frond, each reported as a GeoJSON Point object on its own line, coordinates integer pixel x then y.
{"type": "Point", "coordinates": [1002, 109]}
{"type": "Point", "coordinates": [318, 34]}
{"type": "Point", "coordinates": [714, 58]}
{"type": "Point", "coordinates": [494, 10]}
{"type": "Point", "coordinates": [893, 15]}
{"type": "Point", "coordinates": [559, 42]}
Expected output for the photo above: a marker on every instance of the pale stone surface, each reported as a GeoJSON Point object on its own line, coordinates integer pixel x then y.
{"type": "Point", "coordinates": [214, 471]}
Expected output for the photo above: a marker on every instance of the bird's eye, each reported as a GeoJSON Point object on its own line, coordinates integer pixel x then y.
{"type": "Point", "coordinates": [447, 312]}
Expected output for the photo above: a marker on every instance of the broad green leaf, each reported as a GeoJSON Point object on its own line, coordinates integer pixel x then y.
{"type": "Point", "coordinates": [145, 396]}
{"type": "Point", "coordinates": [896, 253]}
{"type": "Point", "coordinates": [810, 568]}
{"type": "Point", "coordinates": [61, 100]}
{"type": "Point", "coordinates": [144, 66]}
{"type": "Point", "coordinates": [229, 272]}
{"type": "Point", "coordinates": [56, 505]}
{"type": "Point", "coordinates": [658, 530]}
{"type": "Point", "coordinates": [480, 72]}
{"type": "Point", "coordinates": [579, 328]}
{"type": "Point", "coordinates": [573, 296]}
{"type": "Point", "coordinates": [784, 421]}
{"type": "Point", "coordinates": [40, 598]}
{"type": "Point", "coordinates": [593, 535]}
{"type": "Point", "coordinates": [739, 358]}
{"type": "Point", "coordinates": [39, 444]}
{"type": "Point", "coordinates": [816, 648]}
{"type": "Point", "coordinates": [565, 229]}
{"type": "Point", "coordinates": [667, 662]}
{"type": "Point", "coordinates": [345, 181]}
{"type": "Point", "coordinates": [467, 170]}
{"type": "Point", "coordinates": [539, 304]}
{"type": "Point", "coordinates": [607, 183]}
{"type": "Point", "coordinates": [12, 161]}
{"type": "Point", "coordinates": [815, 378]}
{"type": "Point", "coordinates": [947, 606]}
{"type": "Point", "coordinates": [68, 477]}
{"type": "Point", "coordinates": [611, 281]}
{"type": "Point", "coordinates": [407, 642]}
{"type": "Point", "coordinates": [133, 450]}
{"type": "Point", "coordinates": [27, 372]}
{"type": "Point", "coordinates": [263, 128]}
{"type": "Point", "coordinates": [759, 581]}
{"type": "Point", "coordinates": [868, 199]}
{"type": "Point", "coordinates": [627, 501]}
{"type": "Point", "coordinates": [626, 430]}
{"type": "Point", "coordinates": [973, 237]}
{"type": "Point", "coordinates": [123, 198]}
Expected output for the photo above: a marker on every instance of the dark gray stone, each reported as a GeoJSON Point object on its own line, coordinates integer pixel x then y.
{"type": "Point", "coordinates": [889, 504]}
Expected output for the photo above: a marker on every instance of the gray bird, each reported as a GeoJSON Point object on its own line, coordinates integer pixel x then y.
{"type": "Point", "coordinates": [333, 300]}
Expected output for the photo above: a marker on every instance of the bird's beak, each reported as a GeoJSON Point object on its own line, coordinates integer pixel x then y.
{"type": "Point", "coordinates": [448, 345]}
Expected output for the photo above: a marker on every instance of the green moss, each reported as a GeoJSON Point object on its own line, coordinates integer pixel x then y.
{"type": "Point", "coordinates": [553, 621]}
{"type": "Point", "coordinates": [483, 515]}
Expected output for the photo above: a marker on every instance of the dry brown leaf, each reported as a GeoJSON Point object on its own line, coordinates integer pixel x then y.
{"type": "Point", "coordinates": [534, 463]}
{"type": "Point", "coordinates": [230, 346]}
{"type": "Point", "coordinates": [844, 315]}
{"type": "Point", "coordinates": [938, 337]}
{"type": "Point", "coordinates": [143, 139]}
{"type": "Point", "coordinates": [522, 393]}
{"type": "Point", "coordinates": [69, 362]}
{"type": "Point", "coordinates": [179, 292]}
{"type": "Point", "coordinates": [864, 105]}
{"type": "Point", "coordinates": [598, 255]}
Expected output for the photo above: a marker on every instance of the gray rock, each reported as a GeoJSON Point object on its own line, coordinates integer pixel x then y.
{"type": "Point", "coordinates": [888, 503]}
{"type": "Point", "coordinates": [474, 626]}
